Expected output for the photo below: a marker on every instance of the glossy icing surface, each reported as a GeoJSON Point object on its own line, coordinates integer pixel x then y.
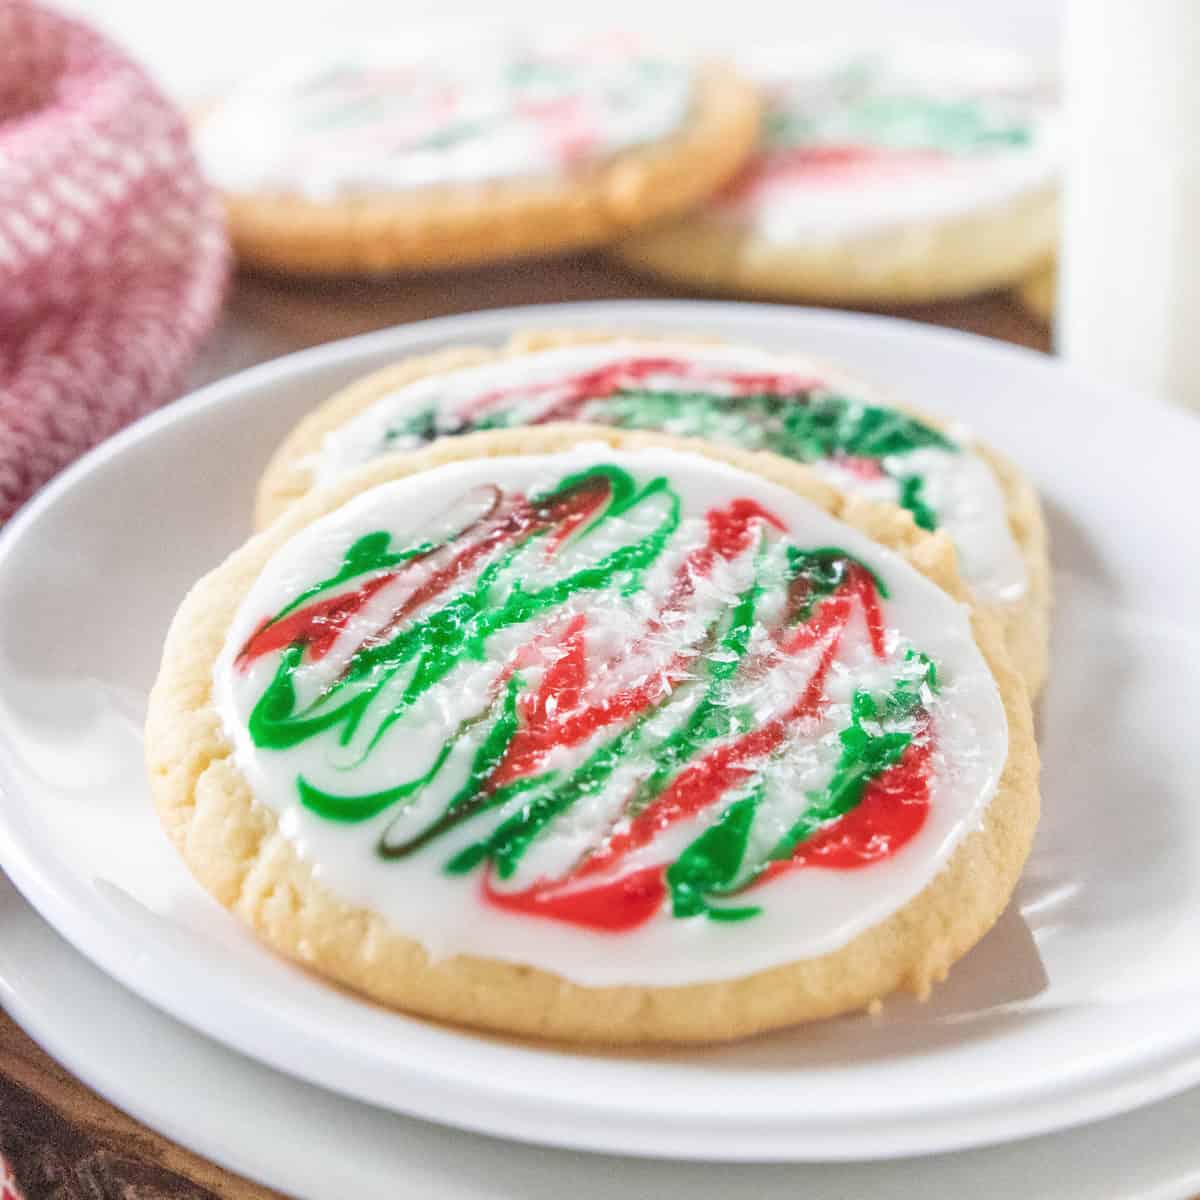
{"type": "Point", "coordinates": [629, 717]}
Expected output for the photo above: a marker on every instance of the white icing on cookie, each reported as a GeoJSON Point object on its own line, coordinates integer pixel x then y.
{"type": "Point", "coordinates": [860, 139]}
{"type": "Point", "coordinates": [957, 486]}
{"type": "Point", "coordinates": [453, 112]}
{"type": "Point", "coordinates": [505, 639]}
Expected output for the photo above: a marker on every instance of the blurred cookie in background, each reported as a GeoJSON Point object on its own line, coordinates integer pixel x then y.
{"type": "Point", "coordinates": [456, 151]}
{"type": "Point", "coordinates": [889, 175]}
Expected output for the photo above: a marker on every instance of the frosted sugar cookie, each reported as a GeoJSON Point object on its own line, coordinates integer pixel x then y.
{"type": "Point", "coordinates": [586, 734]}
{"type": "Point", "coordinates": [893, 175]}
{"type": "Point", "coordinates": [1037, 292]}
{"type": "Point", "coordinates": [738, 395]}
{"type": "Point", "coordinates": [466, 150]}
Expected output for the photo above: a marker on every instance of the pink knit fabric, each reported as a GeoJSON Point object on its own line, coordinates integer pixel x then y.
{"type": "Point", "coordinates": [8, 1183]}
{"type": "Point", "coordinates": [113, 256]}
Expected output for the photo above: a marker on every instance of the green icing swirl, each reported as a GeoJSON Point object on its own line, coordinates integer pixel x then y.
{"type": "Point", "coordinates": [807, 427]}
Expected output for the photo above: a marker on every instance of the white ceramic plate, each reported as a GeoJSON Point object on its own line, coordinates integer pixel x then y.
{"type": "Point", "coordinates": [314, 1145]}
{"type": "Point", "coordinates": [1082, 1003]}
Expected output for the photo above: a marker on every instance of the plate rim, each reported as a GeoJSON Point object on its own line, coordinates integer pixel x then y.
{"type": "Point", "coordinates": [1136, 1083]}
{"type": "Point", "coordinates": [258, 1165]}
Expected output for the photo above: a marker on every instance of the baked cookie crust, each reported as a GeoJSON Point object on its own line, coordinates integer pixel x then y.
{"type": "Point", "coordinates": [910, 264]}
{"type": "Point", "coordinates": [235, 849]}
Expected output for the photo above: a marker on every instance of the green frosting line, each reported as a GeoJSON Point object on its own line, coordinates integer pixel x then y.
{"type": "Point", "coordinates": [912, 497]}
{"type": "Point", "coordinates": [805, 426]}
{"type": "Point", "coordinates": [864, 756]}
{"type": "Point", "coordinates": [361, 808]}
{"type": "Point", "coordinates": [712, 862]}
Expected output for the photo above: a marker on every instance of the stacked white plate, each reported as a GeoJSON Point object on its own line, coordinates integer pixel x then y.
{"type": "Point", "coordinates": [1082, 1004]}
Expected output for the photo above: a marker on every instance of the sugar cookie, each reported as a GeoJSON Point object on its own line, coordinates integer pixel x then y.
{"type": "Point", "coordinates": [886, 176]}
{"type": "Point", "coordinates": [599, 735]}
{"type": "Point", "coordinates": [467, 150]}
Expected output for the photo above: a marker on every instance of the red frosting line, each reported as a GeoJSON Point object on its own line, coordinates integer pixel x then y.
{"type": "Point", "coordinates": [612, 907]}
{"type": "Point", "coordinates": [318, 625]}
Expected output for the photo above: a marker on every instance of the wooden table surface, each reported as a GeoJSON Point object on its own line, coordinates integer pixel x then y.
{"type": "Point", "coordinates": [59, 1139]}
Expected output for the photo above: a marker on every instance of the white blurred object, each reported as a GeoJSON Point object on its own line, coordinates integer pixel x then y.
{"type": "Point", "coordinates": [1129, 295]}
